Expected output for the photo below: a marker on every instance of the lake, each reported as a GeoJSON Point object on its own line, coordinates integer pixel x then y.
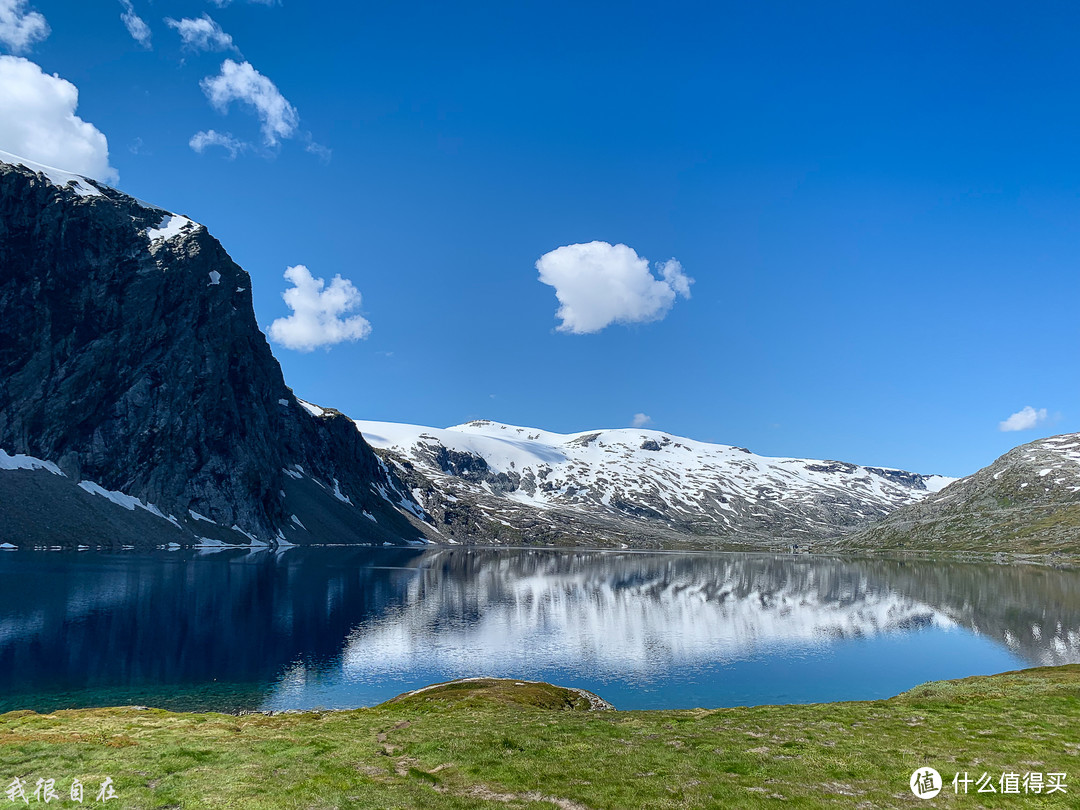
{"type": "Point", "coordinates": [330, 628]}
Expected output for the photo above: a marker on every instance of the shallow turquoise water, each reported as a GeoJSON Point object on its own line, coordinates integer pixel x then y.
{"type": "Point", "coordinates": [339, 628]}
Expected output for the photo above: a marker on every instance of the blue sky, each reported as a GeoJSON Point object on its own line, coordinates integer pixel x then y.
{"type": "Point", "coordinates": [877, 205]}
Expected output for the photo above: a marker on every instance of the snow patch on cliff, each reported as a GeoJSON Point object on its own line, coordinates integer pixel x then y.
{"type": "Point", "coordinates": [58, 177]}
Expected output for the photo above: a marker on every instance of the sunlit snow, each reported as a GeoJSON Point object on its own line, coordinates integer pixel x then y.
{"type": "Point", "coordinates": [679, 472]}
{"type": "Point", "coordinates": [58, 177]}
{"type": "Point", "coordinates": [171, 225]}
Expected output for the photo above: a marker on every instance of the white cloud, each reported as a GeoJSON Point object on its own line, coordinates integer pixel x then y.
{"type": "Point", "coordinates": [202, 34]}
{"type": "Point", "coordinates": [201, 140]}
{"type": "Point", "coordinates": [323, 153]}
{"type": "Point", "coordinates": [1024, 419]}
{"type": "Point", "coordinates": [598, 284]}
{"type": "Point", "coordinates": [38, 122]}
{"type": "Point", "coordinates": [318, 312]}
{"type": "Point", "coordinates": [241, 82]}
{"type": "Point", "coordinates": [19, 28]}
{"type": "Point", "coordinates": [136, 26]}
{"type": "Point", "coordinates": [641, 420]}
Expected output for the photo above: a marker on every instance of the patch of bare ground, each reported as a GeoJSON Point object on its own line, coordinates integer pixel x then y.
{"type": "Point", "coordinates": [487, 794]}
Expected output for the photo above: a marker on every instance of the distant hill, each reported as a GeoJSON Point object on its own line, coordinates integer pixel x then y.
{"type": "Point", "coordinates": [1028, 501]}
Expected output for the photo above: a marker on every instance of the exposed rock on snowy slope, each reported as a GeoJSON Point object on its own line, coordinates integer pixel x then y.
{"type": "Point", "coordinates": [488, 482]}
{"type": "Point", "coordinates": [140, 403]}
{"type": "Point", "coordinates": [1027, 501]}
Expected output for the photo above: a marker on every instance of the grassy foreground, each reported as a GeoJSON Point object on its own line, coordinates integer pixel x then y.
{"type": "Point", "coordinates": [497, 744]}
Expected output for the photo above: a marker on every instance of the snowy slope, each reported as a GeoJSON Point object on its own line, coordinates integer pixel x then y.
{"type": "Point", "coordinates": [640, 481]}
{"type": "Point", "coordinates": [82, 186]}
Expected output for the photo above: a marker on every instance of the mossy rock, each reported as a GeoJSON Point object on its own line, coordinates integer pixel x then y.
{"type": "Point", "coordinates": [472, 692]}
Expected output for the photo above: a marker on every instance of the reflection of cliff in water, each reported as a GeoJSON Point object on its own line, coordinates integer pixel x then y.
{"type": "Point", "coordinates": [1034, 610]}
{"type": "Point", "coordinates": [128, 623]}
{"type": "Point", "coordinates": [634, 611]}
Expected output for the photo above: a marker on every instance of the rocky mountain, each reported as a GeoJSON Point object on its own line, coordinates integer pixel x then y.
{"type": "Point", "coordinates": [140, 403]}
{"type": "Point", "coordinates": [489, 482]}
{"type": "Point", "coordinates": [1026, 501]}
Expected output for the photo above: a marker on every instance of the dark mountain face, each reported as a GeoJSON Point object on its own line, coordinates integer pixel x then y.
{"type": "Point", "coordinates": [130, 356]}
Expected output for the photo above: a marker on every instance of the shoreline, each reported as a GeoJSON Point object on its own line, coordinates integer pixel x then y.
{"type": "Point", "coordinates": [1052, 558]}
{"type": "Point", "coordinates": [498, 743]}
{"type": "Point", "coordinates": [595, 702]}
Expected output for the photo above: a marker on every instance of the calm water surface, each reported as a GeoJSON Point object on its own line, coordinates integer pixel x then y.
{"type": "Point", "coordinates": [340, 628]}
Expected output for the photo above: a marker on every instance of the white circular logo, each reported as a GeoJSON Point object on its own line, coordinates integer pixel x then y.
{"type": "Point", "coordinates": [925, 783]}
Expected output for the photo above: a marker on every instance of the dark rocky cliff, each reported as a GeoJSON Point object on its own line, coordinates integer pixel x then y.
{"type": "Point", "coordinates": [130, 356]}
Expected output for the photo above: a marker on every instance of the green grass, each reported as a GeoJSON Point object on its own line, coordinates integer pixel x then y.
{"type": "Point", "coordinates": [497, 744]}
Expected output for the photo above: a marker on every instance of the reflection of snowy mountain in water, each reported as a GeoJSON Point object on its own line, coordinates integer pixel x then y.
{"type": "Point", "coordinates": [1032, 610]}
{"type": "Point", "coordinates": [629, 612]}
{"type": "Point", "coordinates": [341, 628]}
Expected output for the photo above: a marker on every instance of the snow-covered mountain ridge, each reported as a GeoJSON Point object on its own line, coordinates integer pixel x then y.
{"type": "Point", "coordinates": [630, 484]}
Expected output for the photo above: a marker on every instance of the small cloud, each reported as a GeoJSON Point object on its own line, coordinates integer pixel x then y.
{"type": "Point", "coordinates": [241, 82]}
{"type": "Point", "coordinates": [202, 34]}
{"type": "Point", "coordinates": [19, 28]}
{"type": "Point", "coordinates": [136, 26]}
{"type": "Point", "coordinates": [137, 147]}
{"type": "Point", "coordinates": [318, 312]}
{"type": "Point", "coordinates": [323, 153]}
{"type": "Point", "coordinates": [1024, 419]}
{"type": "Point", "coordinates": [38, 121]}
{"type": "Point", "coordinates": [598, 284]}
{"type": "Point", "coordinates": [201, 140]}
{"type": "Point", "coordinates": [641, 420]}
